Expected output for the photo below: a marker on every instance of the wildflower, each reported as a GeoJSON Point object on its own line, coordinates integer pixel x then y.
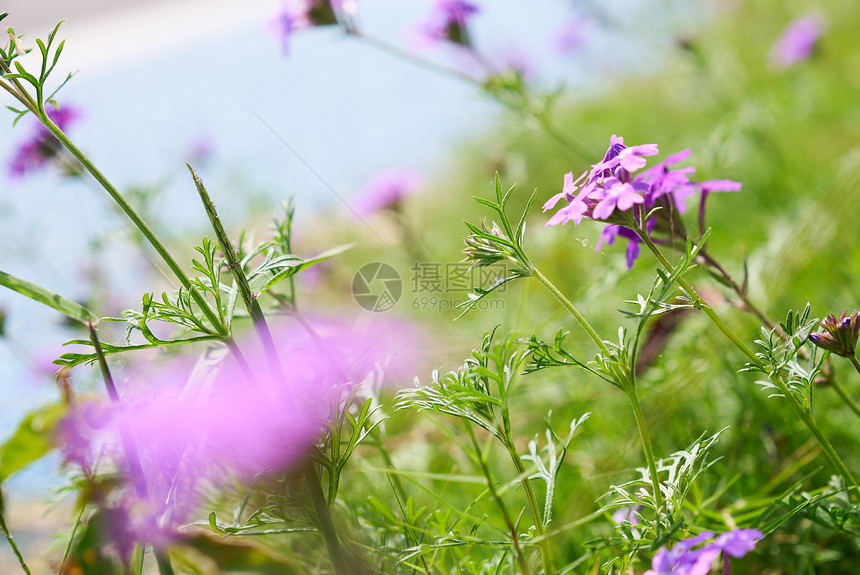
{"type": "Point", "coordinates": [798, 41]}
{"type": "Point", "coordinates": [683, 559]}
{"type": "Point", "coordinates": [386, 190]}
{"type": "Point", "coordinates": [840, 334]}
{"type": "Point", "coordinates": [570, 36]}
{"type": "Point", "coordinates": [301, 14]}
{"type": "Point", "coordinates": [448, 22]}
{"type": "Point", "coordinates": [610, 188]}
{"type": "Point", "coordinates": [42, 146]}
{"type": "Point", "coordinates": [203, 424]}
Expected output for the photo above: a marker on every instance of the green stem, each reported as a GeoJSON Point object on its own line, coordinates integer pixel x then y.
{"type": "Point", "coordinates": [138, 222]}
{"type": "Point", "coordinates": [849, 401]}
{"type": "Point", "coordinates": [531, 498]}
{"type": "Point", "coordinates": [276, 369]}
{"type": "Point", "coordinates": [699, 302]}
{"type": "Point", "coordinates": [646, 445]}
{"type": "Point", "coordinates": [569, 307]}
{"type": "Point", "coordinates": [802, 411]}
{"type": "Point", "coordinates": [518, 551]}
{"type": "Point", "coordinates": [806, 415]}
{"type": "Point", "coordinates": [11, 539]}
{"type": "Point", "coordinates": [162, 558]}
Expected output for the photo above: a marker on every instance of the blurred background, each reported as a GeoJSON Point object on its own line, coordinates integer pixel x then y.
{"type": "Point", "coordinates": [159, 84]}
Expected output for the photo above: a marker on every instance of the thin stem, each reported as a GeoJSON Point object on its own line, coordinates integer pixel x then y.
{"type": "Point", "coordinates": [162, 559]}
{"type": "Point", "coordinates": [138, 222]}
{"type": "Point", "coordinates": [802, 411]}
{"type": "Point", "coordinates": [855, 363]}
{"type": "Point", "coordinates": [11, 540]}
{"type": "Point", "coordinates": [531, 498]}
{"type": "Point", "coordinates": [569, 307]}
{"type": "Point", "coordinates": [700, 303]}
{"type": "Point", "coordinates": [276, 369]}
{"type": "Point", "coordinates": [521, 558]}
{"type": "Point", "coordinates": [808, 418]}
{"type": "Point", "coordinates": [840, 391]}
{"type": "Point", "coordinates": [646, 445]}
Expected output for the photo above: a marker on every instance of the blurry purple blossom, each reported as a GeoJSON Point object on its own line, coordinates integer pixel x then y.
{"type": "Point", "coordinates": [42, 146]}
{"type": "Point", "coordinates": [385, 190]}
{"type": "Point", "coordinates": [296, 15]}
{"type": "Point", "coordinates": [201, 148]}
{"type": "Point", "coordinates": [571, 36]}
{"type": "Point", "coordinates": [798, 41]}
{"type": "Point", "coordinates": [628, 514]}
{"type": "Point", "coordinates": [213, 421]}
{"type": "Point", "coordinates": [683, 559]}
{"type": "Point", "coordinates": [449, 22]}
{"type": "Point", "coordinates": [610, 187]}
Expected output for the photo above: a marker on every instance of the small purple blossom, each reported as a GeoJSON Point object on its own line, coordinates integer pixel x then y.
{"type": "Point", "coordinates": [840, 333]}
{"type": "Point", "coordinates": [571, 36]}
{"type": "Point", "coordinates": [610, 188]}
{"type": "Point", "coordinates": [798, 41]}
{"type": "Point", "coordinates": [386, 190]}
{"type": "Point", "coordinates": [695, 556]}
{"type": "Point", "coordinates": [42, 146]}
{"type": "Point", "coordinates": [297, 15]}
{"type": "Point", "coordinates": [449, 22]}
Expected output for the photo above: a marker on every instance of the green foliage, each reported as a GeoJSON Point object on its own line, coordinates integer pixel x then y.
{"type": "Point", "coordinates": [32, 440]}
{"type": "Point", "coordinates": [70, 309]}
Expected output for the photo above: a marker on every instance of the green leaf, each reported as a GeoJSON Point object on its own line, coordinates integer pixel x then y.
{"type": "Point", "coordinates": [32, 440]}
{"type": "Point", "coordinates": [282, 267]}
{"type": "Point", "coordinates": [45, 296]}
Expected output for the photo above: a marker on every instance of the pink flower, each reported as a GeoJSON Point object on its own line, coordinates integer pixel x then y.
{"type": "Point", "coordinates": [798, 41]}
{"type": "Point", "coordinates": [42, 146]}
{"type": "Point", "coordinates": [205, 423]}
{"type": "Point", "coordinates": [448, 22]}
{"type": "Point", "coordinates": [385, 190]}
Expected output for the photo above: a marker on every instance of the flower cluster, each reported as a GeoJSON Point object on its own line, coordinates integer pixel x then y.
{"type": "Point", "coordinates": [840, 334]}
{"type": "Point", "coordinates": [42, 146]}
{"type": "Point", "coordinates": [610, 188]}
{"type": "Point", "coordinates": [683, 559]}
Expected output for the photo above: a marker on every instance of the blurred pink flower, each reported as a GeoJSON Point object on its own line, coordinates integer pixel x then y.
{"type": "Point", "coordinates": [385, 190]}
{"type": "Point", "coordinates": [203, 424]}
{"type": "Point", "coordinates": [571, 36]}
{"type": "Point", "coordinates": [449, 22]}
{"type": "Point", "coordinates": [798, 41]}
{"type": "Point", "coordinates": [296, 15]}
{"type": "Point", "coordinates": [41, 147]}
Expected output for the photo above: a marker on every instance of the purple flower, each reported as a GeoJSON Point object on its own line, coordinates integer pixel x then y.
{"type": "Point", "coordinates": [683, 559]}
{"type": "Point", "coordinates": [570, 36]}
{"type": "Point", "coordinates": [42, 146]}
{"type": "Point", "coordinates": [298, 15]}
{"type": "Point", "coordinates": [448, 22]}
{"type": "Point", "coordinates": [385, 190]}
{"type": "Point", "coordinates": [610, 188]}
{"type": "Point", "coordinates": [840, 333]}
{"type": "Point", "coordinates": [798, 41]}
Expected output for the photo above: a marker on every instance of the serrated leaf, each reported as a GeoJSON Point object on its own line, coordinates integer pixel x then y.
{"type": "Point", "coordinates": [45, 296]}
